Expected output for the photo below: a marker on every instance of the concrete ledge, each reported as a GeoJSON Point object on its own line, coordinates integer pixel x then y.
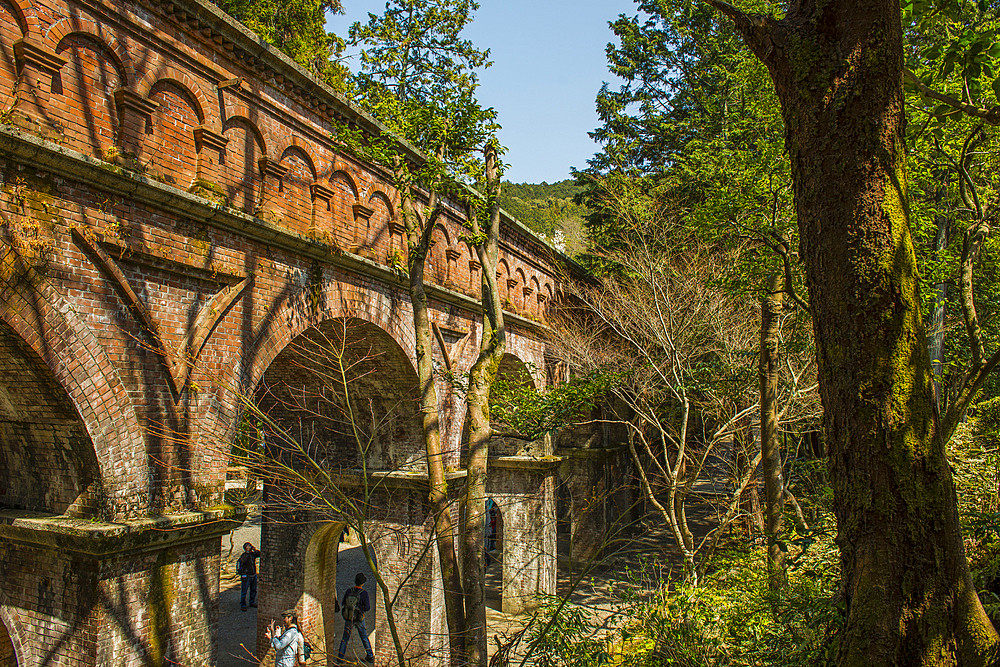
{"type": "Point", "coordinates": [394, 479]}
{"type": "Point", "coordinates": [590, 453]}
{"type": "Point", "coordinates": [544, 463]}
{"type": "Point", "coordinates": [101, 539]}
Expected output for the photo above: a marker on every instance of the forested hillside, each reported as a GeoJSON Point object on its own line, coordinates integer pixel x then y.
{"type": "Point", "coordinates": [547, 209]}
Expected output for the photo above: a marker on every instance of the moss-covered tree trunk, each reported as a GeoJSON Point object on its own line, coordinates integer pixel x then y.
{"type": "Point", "coordinates": [418, 242]}
{"type": "Point", "coordinates": [492, 346]}
{"type": "Point", "coordinates": [837, 69]}
{"type": "Point", "coordinates": [770, 452]}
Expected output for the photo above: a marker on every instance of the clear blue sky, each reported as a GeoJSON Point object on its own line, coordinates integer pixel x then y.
{"type": "Point", "coordinates": [549, 63]}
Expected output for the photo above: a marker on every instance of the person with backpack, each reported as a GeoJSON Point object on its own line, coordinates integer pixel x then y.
{"type": "Point", "coordinates": [353, 608]}
{"type": "Point", "coordinates": [288, 642]}
{"type": "Point", "coordinates": [246, 567]}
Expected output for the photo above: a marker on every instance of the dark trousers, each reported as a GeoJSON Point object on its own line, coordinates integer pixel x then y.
{"type": "Point", "coordinates": [360, 625]}
{"type": "Point", "coordinates": [245, 583]}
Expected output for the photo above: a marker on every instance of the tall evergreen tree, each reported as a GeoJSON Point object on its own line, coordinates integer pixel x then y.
{"type": "Point", "coordinates": [837, 68]}
{"type": "Point", "coordinates": [297, 27]}
{"type": "Point", "coordinates": [418, 77]}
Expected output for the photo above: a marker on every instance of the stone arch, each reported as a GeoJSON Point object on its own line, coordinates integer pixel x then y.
{"type": "Point", "coordinates": [183, 81]}
{"type": "Point", "coordinates": [518, 297]}
{"type": "Point", "coordinates": [26, 18]}
{"type": "Point", "coordinates": [287, 318]}
{"type": "Point", "coordinates": [244, 119]}
{"type": "Point", "coordinates": [297, 144]}
{"type": "Point", "coordinates": [239, 168]}
{"type": "Point", "coordinates": [171, 148]}
{"type": "Point", "coordinates": [382, 431]}
{"type": "Point", "coordinates": [12, 28]}
{"type": "Point", "coordinates": [512, 367]}
{"type": "Point", "coordinates": [17, 635]}
{"type": "Point", "coordinates": [548, 296]}
{"type": "Point", "coordinates": [531, 298]}
{"type": "Point", "coordinates": [76, 25]}
{"type": "Point", "coordinates": [503, 273]}
{"type": "Point", "coordinates": [293, 200]}
{"type": "Point", "coordinates": [437, 259]}
{"type": "Point", "coordinates": [376, 233]}
{"type": "Point", "coordinates": [341, 224]}
{"type": "Point", "coordinates": [74, 356]}
{"type": "Point", "coordinates": [90, 119]}
{"type": "Point", "coordinates": [316, 608]}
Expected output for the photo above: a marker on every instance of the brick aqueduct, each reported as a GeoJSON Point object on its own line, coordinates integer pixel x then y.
{"type": "Point", "coordinates": [170, 189]}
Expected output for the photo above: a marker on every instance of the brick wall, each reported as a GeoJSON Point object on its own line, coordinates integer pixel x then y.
{"type": "Point", "coordinates": [173, 237]}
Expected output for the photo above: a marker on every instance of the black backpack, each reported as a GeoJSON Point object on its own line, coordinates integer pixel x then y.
{"type": "Point", "coordinates": [352, 606]}
{"type": "Point", "coordinates": [307, 649]}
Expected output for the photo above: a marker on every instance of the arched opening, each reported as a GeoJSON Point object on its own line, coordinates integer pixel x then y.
{"type": "Point", "coordinates": [340, 415]}
{"type": "Point", "coordinates": [318, 602]}
{"type": "Point", "coordinates": [8, 657]}
{"type": "Point", "coordinates": [493, 547]}
{"type": "Point", "coordinates": [352, 562]}
{"type": "Point", "coordinates": [47, 460]}
{"type": "Point", "coordinates": [344, 392]}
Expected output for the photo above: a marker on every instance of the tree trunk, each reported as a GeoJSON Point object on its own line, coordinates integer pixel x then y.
{"type": "Point", "coordinates": [418, 241]}
{"type": "Point", "coordinates": [774, 505]}
{"type": "Point", "coordinates": [837, 69]}
{"type": "Point", "coordinates": [492, 346]}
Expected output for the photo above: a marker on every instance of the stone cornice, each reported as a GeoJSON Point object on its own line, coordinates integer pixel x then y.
{"type": "Point", "coordinates": [269, 167]}
{"type": "Point", "coordinates": [393, 479]}
{"type": "Point", "coordinates": [588, 453]}
{"type": "Point", "coordinates": [127, 99]}
{"type": "Point", "coordinates": [320, 191]}
{"type": "Point", "coordinates": [71, 164]}
{"type": "Point", "coordinates": [542, 464]}
{"type": "Point", "coordinates": [205, 136]}
{"type": "Point", "coordinates": [38, 56]}
{"type": "Point", "coordinates": [363, 212]}
{"type": "Point", "coordinates": [128, 538]}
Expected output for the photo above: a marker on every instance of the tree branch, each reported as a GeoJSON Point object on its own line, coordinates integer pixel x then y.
{"type": "Point", "coordinates": [991, 115]}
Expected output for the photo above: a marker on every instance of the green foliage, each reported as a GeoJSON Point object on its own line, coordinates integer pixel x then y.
{"type": "Point", "coordinates": [517, 405]}
{"type": "Point", "coordinates": [298, 28]}
{"type": "Point", "coordinates": [542, 207]}
{"type": "Point", "coordinates": [698, 125]}
{"type": "Point", "coordinates": [952, 47]}
{"type": "Point", "coordinates": [418, 77]}
{"type": "Point", "coordinates": [974, 454]}
{"type": "Point", "coordinates": [561, 635]}
{"type": "Point", "coordinates": [987, 424]}
{"type": "Point", "coordinates": [733, 618]}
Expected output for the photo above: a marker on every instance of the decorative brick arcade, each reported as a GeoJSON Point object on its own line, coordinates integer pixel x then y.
{"type": "Point", "coordinates": [169, 191]}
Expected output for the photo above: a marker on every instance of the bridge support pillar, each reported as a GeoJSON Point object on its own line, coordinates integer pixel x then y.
{"type": "Point", "coordinates": [524, 488]}
{"type": "Point", "coordinates": [127, 594]}
{"type": "Point", "coordinates": [299, 568]}
{"type": "Point", "coordinates": [597, 499]}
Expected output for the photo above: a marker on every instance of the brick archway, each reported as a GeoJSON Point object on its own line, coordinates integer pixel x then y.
{"type": "Point", "coordinates": [46, 324]}
{"type": "Point", "coordinates": [288, 317]}
{"type": "Point", "coordinates": [17, 638]}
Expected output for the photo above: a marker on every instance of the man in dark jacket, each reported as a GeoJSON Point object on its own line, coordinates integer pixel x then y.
{"type": "Point", "coordinates": [353, 607]}
{"type": "Point", "coordinates": [247, 567]}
